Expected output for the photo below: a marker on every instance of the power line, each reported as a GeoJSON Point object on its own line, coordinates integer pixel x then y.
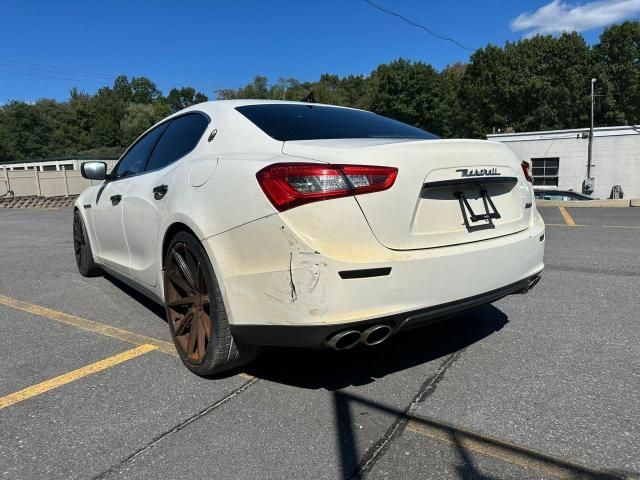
{"type": "Point", "coordinates": [54, 69]}
{"type": "Point", "coordinates": [71, 74]}
{"type": "Point", "coordinates": [51, 76]}
{"type": "Point", "coordinates": [39, 67]}
{"type": "Point", "coordinates": [411, 22]}
{"type": "Point", "coordinates": [31, 70]}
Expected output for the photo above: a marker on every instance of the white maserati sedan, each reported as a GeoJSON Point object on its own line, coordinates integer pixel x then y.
{"type": "Point", "coordinates": [283, 223]}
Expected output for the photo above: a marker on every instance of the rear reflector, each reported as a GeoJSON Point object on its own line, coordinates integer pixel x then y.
{"type": "Point", "coordinates": [365, 273]}
{"type": "Point", "coordinates": [288, 185]}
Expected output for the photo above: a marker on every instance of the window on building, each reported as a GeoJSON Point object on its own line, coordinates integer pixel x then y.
{"type": "Point", "coordinates": [545, 171]}
{"type": "Point", "coordinates": [49, 168]}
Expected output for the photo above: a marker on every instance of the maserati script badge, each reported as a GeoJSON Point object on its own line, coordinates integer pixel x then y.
{"type": "Point", "coordinates": [478, 172]}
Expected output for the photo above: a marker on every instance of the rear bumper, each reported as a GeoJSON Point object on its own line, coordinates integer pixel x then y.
{"type": "Point", "coordinates": [275, 278]}
{"type": "Point", "coordinates": [317, 335]}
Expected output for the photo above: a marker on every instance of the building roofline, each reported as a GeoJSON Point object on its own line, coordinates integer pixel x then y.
{"type": "Point", "coordinates": [568, 133]}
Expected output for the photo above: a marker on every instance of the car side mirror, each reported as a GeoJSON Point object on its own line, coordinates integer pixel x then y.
{"type": "Point", "coordinates": [94, 170]}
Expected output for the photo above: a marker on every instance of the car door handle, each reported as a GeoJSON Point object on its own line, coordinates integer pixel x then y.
{"type": "Point", "coordinates": [160, 191]}
{"type": "Point", "coordinates": [115, 199]}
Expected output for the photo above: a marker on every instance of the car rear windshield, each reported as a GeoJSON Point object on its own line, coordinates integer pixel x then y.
{"type": "Point", "coordinates": [286, 122]}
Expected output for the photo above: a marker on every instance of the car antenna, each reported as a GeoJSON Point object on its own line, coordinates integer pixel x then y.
{"type": "Point", "coordinates": [309, 97]}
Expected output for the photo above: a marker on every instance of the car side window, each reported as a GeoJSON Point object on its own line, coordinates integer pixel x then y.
{"type": "Point", "coordinates": [554, 196]}
{"type": "Point", "coordinates": [136, 158]}
{"type": "Point", "coordinates": [180, 138]}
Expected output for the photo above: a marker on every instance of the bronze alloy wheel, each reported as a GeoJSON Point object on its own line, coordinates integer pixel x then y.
{"type": "Point", "coordinates": [187, 302]}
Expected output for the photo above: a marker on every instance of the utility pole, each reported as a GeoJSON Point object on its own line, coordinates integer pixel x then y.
{"type": "Point", "coordinates": [593, 100]}
{"type": "Point", "coordinates": [588, 184]}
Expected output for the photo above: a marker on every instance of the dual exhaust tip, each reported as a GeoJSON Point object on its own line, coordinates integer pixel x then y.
{"type": "Point", "coordinates": [350, 338]}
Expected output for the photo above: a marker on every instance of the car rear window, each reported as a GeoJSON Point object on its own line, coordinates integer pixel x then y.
{"type": "Point", "coordinates": [286, 122]}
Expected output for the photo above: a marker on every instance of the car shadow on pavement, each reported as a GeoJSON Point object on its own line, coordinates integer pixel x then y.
{"type": "Point", "coordinates": [466, 445]}
{"type": "Point", "coordinates": [331, 370]}
{"type": "Point", "coordinates": [149, 304]}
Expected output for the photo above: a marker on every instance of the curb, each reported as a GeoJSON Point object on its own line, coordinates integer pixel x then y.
{"type": "Point", "coordinates": [33, 201]}
{"type": "Point", "coordinates": [590, 203]}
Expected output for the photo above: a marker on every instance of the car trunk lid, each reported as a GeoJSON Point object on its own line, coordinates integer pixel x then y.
{"type": "Point", "coordinates": [447, 192]}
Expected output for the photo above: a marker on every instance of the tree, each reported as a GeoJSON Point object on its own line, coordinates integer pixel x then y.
{"type": "Point", "coordinates": [107, 110]}
{"type": "Point", "coordinates": [532, 84]}
{"type": "Point", "coordinates": [24, 131]}
{"type": "Point", "coordinates": [122, 89]}
{"type": "Point", "coordinates": [138, 118]}
{"type": "Point", "coordinates": [407, 92]}
{"type": "Point", "coordinates": [619, 55]}
{"type": "Point", "coordinates": [7, 149]}
{"type": "Point", "coordinates": [143, 90]}
{"type": "Point", "coordinates": [258, 88]}
{"type": "Point", "coordinates": [449, 118]}
{"type": "Point", "coordinates": [183, 98]}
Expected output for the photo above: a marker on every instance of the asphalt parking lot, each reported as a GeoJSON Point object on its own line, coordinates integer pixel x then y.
{"type": "Point", "coordinates": [544, 385]}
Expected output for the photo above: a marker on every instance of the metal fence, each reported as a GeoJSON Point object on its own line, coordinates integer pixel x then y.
{"type": "Point", "coordinates": [22, 183]}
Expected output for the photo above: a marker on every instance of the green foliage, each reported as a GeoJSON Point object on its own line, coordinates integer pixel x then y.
{"type": "Point", "coordinates": [618, 53]}
{"type": "Point", "coordinates": [406, 91]}
{"type": "Point", "coordinates": [532, 84]}
{"type": "Point", "coordinates": [183, 98]}
{"type": "Point", "coordinates": [101, 153]}
{"type": "Point", "coordinates": [99, 125]}
{"type": "Point", "coordinates": [137, 119]}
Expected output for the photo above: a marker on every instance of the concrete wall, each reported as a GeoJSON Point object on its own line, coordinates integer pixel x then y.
{"type": "Point", "coordinates": [51, 165]}
{"type": "Point", "coordinates": [616, 157]}
{"type": "Point", "coordinates": [46, 184]}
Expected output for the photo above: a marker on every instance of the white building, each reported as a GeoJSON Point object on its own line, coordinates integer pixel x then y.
{"type": "Point", "coordinates": [559, 157]}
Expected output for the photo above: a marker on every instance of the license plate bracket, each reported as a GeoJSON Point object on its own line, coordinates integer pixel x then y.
{"type": "Point", "coordinates": [470, 216]}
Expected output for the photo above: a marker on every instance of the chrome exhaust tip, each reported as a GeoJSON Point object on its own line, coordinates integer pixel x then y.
{"type": "Point", "coordinates": [376, 334]}
{"type": "Point", "coordinates": [532, 283]}
{"type": "Point", "coordinates": [344, 340]}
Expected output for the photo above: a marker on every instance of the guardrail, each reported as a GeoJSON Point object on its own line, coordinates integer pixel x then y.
{"type": "Point", "coordinates": [24, 183]}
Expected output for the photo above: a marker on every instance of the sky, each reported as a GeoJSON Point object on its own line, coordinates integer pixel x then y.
{"type": "Point", "coordinates": [46, 47]}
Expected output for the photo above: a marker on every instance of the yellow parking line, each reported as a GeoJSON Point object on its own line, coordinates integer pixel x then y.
{"type": "Point", "coordinates": [84, 324]}
{"type": "Point", "coordinates": [567, 217]}
{"type": "Point", "coordinates": [603, 226]}
{"type": "Point", "coordinates": [56, 382]}
{"type": "Point", "coordinates": [562, 225]}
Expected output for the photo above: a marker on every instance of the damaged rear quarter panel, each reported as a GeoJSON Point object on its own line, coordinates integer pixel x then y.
{"type": "Point", "coordinates": [283, 269]}
{"type": "Point", "coordinates": [270, 274]}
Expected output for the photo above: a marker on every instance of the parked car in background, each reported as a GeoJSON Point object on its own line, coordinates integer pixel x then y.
{"type": "Point", "coordinates": [284, 223]}
{"type": "Point", "coordinates": [561, 195]}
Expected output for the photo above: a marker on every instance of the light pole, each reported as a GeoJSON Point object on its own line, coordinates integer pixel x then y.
{"type": "Point", "coordinates": [587, 185]}
{"type": "Point", "coordinates": [593, 99]}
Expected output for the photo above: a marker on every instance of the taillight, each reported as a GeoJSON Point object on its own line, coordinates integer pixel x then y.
{"type": "Point", "coordinates": [526, 169]}
{"type": "Point", "coordinates": [288, 185]}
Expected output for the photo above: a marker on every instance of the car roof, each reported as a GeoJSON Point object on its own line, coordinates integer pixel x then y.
{"type": "Point", "coordinates": [218, 105]}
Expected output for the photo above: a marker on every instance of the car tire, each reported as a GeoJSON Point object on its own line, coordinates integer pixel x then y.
{"type": "Point", "coordinates": [194, 307]}
{"type": "Point", "coordinates": [82, 248]}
